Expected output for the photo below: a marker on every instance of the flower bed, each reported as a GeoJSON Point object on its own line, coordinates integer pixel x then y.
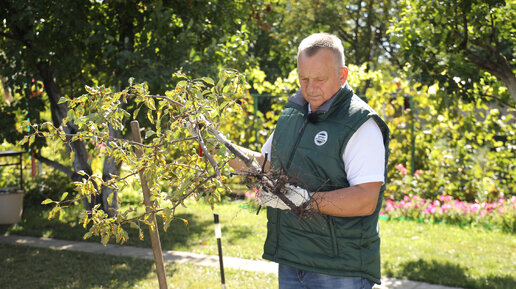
{"type": "Point", "coordinates": [499, 215]}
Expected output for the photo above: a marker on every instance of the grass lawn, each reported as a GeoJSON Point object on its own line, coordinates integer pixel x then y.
{"type": "Point", "coordinates": [26, 267]}
{"type": "Point", "coordinates": [448, 255]}
{"type": "Point", "coordinates": [439, 254]}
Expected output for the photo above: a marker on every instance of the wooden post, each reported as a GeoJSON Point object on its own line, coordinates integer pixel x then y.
{"type": "Point", "coordinates": [154, 234]}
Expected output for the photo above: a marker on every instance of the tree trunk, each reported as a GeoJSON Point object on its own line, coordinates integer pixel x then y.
{"type": "Point", "coordinates": [110, 195]}
{"type": "Point", "coordinates": [58, 112]}
{"type": "Point", "coordinates": [509, 80]}
{"type": "Point", "coordinates": [499, 67]}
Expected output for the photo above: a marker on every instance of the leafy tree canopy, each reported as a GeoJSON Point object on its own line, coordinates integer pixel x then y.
{"type": "Point", "coordinates": [64, 45]}
{"type": "Point", "coordinates": [461, 45]}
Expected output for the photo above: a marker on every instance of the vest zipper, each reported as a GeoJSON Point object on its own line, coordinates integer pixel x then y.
{"type": "Point", "coordinates": [291, 157]}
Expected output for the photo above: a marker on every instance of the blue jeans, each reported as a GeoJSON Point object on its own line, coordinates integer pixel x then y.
{"type": "Point", "coordinates": [291, 278]}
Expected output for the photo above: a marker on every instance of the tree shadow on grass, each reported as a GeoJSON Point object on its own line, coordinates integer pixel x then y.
{"type": "Point", "coordinates": [27, 267]}
{"type": "Point", "coordinates": [181, 235]}
{"type": "Point", "coordinates": [236, 232]}
{"type": "Point", "coordinates": [178, 234]}
{"type": "Point", "coordinates": [449, 274]}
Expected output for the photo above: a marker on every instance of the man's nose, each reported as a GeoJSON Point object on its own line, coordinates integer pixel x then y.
{"type": "Point", "coordinates": [310, 86]}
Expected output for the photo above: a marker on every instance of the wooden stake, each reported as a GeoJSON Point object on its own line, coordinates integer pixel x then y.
{"type": "Point", "coordinates": [154, 234]}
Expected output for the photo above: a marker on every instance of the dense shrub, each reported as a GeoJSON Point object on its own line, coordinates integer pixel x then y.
{"type": "Point", "coordinates": [50, 185]}
{"type": "Point", "coordinates": [460, 148]}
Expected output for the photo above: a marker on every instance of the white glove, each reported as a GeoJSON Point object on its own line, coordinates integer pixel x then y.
{"type": "Point", "coordinates": [296, 195]}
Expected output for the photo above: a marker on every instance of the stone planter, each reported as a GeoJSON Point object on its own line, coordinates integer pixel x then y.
{"type": "Point", "coordinates": [11, 205]}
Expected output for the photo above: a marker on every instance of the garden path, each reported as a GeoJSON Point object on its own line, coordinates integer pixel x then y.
{"type": "Point", "coordinates": [183, 257]}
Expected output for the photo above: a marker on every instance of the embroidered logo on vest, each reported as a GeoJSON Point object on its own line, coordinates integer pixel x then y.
{"type": "Point", "coordinates": [321, 138]}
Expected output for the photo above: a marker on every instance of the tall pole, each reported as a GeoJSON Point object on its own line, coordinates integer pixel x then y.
{"type": "Point", "coordinates": [154, 234]}
{"type": "Point", "coordinates": [412, 138]}
{"type": "Point", "coordinates": [218, 235]}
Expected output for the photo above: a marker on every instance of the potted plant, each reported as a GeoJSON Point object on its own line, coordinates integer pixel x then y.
{"type": "Point", "coordinates": [11, 205]}
{"type": "Point", "coordinates": [11, 198]}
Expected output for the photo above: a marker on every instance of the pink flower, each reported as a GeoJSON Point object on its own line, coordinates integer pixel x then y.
{"type": "Point", "coordinates": [418, 173]}
{"type": "Point", "coordinates": [446, 207]}
{"type": "Point", "coordinates": [250, 195]}
{"type": "Point", "coordinates": [101, 146]}
{"type": "Point", "coordinates": [475, 207]}
{"type": "Point", "coordinates": [401, 168]}
{"type": "Point", "coordinates": [389, 205]}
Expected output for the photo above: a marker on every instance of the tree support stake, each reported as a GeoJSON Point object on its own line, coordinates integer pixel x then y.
{"type": "Point", "coordinates": [154, 233]}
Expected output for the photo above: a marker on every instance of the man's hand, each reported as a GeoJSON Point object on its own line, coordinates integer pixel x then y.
{"type": "Point", "coordinates": [298, 196]}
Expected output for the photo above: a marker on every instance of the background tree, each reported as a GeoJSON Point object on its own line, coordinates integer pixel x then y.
{"type": "Point", "coordinates": [361, 24]}
{"type": "Point", "coordinates": [461, 45]}
{"type": "Point", "coordinates": [66, 45]}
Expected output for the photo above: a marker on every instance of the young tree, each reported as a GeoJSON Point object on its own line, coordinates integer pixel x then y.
{"type": "Point", "coordinates": [170, 167]}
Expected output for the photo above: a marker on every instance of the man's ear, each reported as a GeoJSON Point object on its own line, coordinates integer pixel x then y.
{"type": "Point", "coordinates": [344, 75]}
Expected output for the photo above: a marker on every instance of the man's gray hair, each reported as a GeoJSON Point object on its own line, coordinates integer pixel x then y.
{"type": "Point", "coordinates": [311, 44]}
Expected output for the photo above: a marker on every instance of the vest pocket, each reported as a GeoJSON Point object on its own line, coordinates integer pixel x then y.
{"type": "Point", "coordinates": [298, 245]}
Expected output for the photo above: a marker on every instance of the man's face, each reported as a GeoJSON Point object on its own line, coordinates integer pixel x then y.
{"type": "Point", "coordinates": [319, 78]}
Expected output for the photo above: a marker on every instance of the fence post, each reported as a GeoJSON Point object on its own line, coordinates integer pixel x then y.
{"type": "Point", "coordinates": [154, 234]}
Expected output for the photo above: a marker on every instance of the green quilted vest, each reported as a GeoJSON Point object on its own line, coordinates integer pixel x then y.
{"type": "Point", "coordinates": [311, 152]}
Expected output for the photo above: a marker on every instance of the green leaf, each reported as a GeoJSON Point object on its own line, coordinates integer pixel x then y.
{"type": "Point", "coordinates": [150, 103]}
{"type": "Point", "coordinates": [31, 139]}
{"type": "Point", "coordinates": [24, 124]}
{"type": "Point", "coordinates": [104, 240]}
{"type": "Point", "coordinates": [54, 211]}
{"type": "Point", "coordinates": [208, 80]}
{"type": "Point", "coordinates": [135, 113]}
{"type": "Point", "coordinates": [150, 117]}
{"type": "Point", "coordinates": [87, 235]}
{"type": "Point", "coordinates": [149, 133]}
{"type": "Point", "coordinates": [24, 140]}
{"type": "Point", "coordinates": [47, 201]}
{"type": "Point", "coordinates": [63, 197]}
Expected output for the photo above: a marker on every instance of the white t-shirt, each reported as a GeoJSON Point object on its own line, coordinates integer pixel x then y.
{"type": "Point", "coordinates": [363, 157]}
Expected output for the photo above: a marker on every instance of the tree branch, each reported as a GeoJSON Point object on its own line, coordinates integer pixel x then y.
{"type": "Point", "coordinates": [56, 165]}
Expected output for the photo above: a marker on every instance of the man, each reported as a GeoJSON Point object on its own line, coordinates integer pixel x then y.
{"type": "Point", "coordinates": [334, 149]}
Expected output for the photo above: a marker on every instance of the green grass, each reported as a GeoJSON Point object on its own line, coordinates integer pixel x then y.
{"type": "Point", "coordinates": [439, 254]}
{"type": "Point", "coordinates": [26, 267]}
{"type": "Point", "coordinates": [243, 232]}
{"type": "Point", "coordinates": [448, 255]}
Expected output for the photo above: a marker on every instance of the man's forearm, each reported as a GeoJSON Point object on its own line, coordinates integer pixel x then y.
{"type": "Point", "coordinates": [359, 200]}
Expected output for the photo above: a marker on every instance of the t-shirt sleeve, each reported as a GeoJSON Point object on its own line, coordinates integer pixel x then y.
{"type": "Point", "coordinates": [364, 155]}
